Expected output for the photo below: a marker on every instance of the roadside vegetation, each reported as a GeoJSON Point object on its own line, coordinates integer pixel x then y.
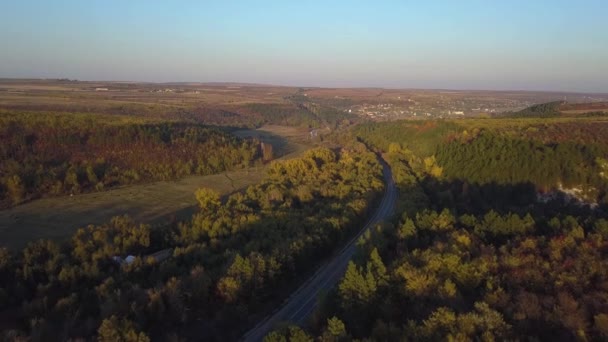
{"type": "Point", "coordinates": [500, 231]}
{"type": "Point", "coordinates": [228, 263]}
{"type": "Point", "coordinates": [472, 254]}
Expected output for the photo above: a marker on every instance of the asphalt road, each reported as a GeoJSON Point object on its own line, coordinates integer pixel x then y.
{"type": "Point", "coordinates": [303, 301]}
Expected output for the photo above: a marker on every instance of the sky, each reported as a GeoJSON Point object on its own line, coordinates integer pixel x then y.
{"type": "Point", "coordinates": [552, 45]}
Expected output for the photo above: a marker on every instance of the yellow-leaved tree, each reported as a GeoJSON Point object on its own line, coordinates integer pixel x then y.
{"type": "Point", "coordinates": [207, 199]}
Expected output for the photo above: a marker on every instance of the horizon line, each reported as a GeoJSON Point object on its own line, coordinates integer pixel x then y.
{"type": "Point", "coordinates": [256, 84]}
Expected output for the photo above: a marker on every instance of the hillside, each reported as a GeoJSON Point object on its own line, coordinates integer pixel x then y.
{"type": "Point", "coordinates": [543, 110]}
{"type": "Point", "coordinates": [561, 108]}
{"type": "Point", "coordinates": [474, 253]}
{"type": "Point", "coordinates": [545, 152]}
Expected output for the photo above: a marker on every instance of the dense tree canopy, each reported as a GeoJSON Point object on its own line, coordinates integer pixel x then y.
{"type": "Point", "coordinates": [543, 110]}
{"type": "Point", "coordinates": [498, 152]}
{"type": "Point", "coordinates": [225, 264]}
{"type": "Point", "coordinates": [459, 265]}
{"type": "Point", "coordinates": [68, 154]}
{"type": "Point", "coordinates": [473, 252]}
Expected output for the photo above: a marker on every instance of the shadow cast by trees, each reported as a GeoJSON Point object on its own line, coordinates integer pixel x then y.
{"type": "Point", "coordinates": [466, 260]}
{"type": "Point", "coordinates": [521, 198]}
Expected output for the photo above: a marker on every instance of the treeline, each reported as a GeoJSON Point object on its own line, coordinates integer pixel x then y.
{"type": "Point", "coordinates": [247, 115]}
{"type": "Point", "coordinates": [329, 115]}
{"type": "Point", "coordinates": [491, 158]}
{"type": "Point", "coordinates": [287, 114]}
{"type": "Point", "coordinates": [230, 263]}
{"type": "Point", "coordinates": [252, 115]}
{"type": "Point", "coordinates": [296, 113]}
{"type": "Point", "coordinates": [44, 155]}
{"type": "Point", "coordinates": [421, 137]}
{"type": "Point", "coordinates": [441, 273]}
{"type": "Point", "coordinates": [580, 131]}
{"type": "Point", "coordinates": [504, 151]}
{"type": "Point", "coordinates": [543, 110]}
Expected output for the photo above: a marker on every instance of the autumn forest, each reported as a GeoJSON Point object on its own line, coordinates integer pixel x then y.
{"type": "Point", "coordinates": [498, 230]}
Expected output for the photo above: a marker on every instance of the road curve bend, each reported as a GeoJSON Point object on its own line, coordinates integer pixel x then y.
{"type": "Point", "coordinates": [303, 301]}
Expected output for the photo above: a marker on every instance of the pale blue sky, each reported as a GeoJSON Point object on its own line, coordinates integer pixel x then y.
{"type": "Point", "coordinates": [467, 44]}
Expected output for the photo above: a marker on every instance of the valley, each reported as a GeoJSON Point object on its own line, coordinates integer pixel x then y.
{"type": "Point", "coordinates": [185, 208]}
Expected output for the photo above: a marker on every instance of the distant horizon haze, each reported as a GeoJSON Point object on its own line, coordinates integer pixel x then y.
{"type": "Point", "coordinates": [554, 46]}
{"type": "Point", "coordinates": [257, 84]}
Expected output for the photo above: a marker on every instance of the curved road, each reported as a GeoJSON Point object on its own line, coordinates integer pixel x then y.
{"type": "Point", "coordinates": [302, 302]}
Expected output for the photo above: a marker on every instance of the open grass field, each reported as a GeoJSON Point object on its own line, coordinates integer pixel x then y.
{"type": "Point", "coordinates": [57, 218]}
{"type": "Point", "coordinates": [285, 140]}
{"type": "Point", "coordinates": [155, 203]}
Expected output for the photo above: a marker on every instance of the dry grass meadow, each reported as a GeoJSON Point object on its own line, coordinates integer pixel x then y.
{"type": "Point", "coordinates": [155, 203]}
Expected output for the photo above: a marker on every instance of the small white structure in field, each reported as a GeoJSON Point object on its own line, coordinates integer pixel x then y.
{"type": "Point", "coordinates": [119, 260]}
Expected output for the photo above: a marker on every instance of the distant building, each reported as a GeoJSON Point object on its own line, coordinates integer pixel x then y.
{"type": "Point", "coordinates": [101, 89]}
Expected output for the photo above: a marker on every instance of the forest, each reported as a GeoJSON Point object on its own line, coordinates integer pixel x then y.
{"type": "Point", "coordinates": [500, 231]}
{"type": "Point", "coordinates": [465, 260]}
{"type": "Point", "coordinates": [497, 152]}
{"type": "Point", "coordinates": [543, 110]}
{"type": "Point", "coordinates": [232, 261]}
{"type": "Point", "coordinates": [59, 154]}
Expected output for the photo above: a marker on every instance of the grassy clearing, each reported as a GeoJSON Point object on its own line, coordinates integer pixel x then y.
{"type": "Point", "coordinates": [57, 218]}
{"type": "Point", "coordinates": [286, 141]}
